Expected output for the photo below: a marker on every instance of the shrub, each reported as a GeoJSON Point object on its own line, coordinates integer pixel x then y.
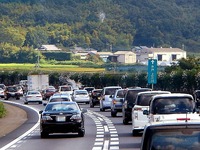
{"type": "Point", "coordinates": [2, 110]}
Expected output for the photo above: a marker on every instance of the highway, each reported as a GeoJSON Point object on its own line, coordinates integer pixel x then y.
{"type": "Point", "coordinates": [103, 132]}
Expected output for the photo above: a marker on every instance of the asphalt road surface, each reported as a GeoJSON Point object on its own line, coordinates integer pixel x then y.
{"type": "Point", "coordinates": [103, 132]}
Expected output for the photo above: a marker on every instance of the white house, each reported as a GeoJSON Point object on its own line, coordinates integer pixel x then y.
{"type": "Point", "coordinates": [49, 48]}
{"type": "Point", "coordinates": [104, 55]}
{"type": "Point", "coordinates": [126, 57]}
{"type": "Point", "coordinates": [164, 56]}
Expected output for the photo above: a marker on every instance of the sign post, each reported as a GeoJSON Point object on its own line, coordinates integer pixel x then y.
{"type": "Point", "coordinates": [152, 71]}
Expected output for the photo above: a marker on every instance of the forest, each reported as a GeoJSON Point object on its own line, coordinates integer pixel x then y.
{"type": "Point", "coordinates": [120, 24]}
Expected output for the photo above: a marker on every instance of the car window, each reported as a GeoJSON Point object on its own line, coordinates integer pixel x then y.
{"type": "Point", "coordinates": [110, 91]}
{"type": "Point", "coordinates": [81, 93]}
{"type": "Point", "coordinates": [144, 99]}
{"type": "Point", "coordinates": [59, 99]}
{"type": "Point", "coordinates": [33, 93]}
{"type": "Point", "coordinates": [179, 139]}
{"type": "Point", "coordinates": [121, 93]}
{"type": "Point", "coordinates": [172, 105]}
{"type": "Point", "coordinates": [67, 88]}
{"type": "Point", "coordinates": [61, 107]}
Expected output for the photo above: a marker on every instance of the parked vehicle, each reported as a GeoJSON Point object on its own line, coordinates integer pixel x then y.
{"type": "Point", "coordinates": [33, 96]}
{"type": "Point", "coordinates": [139, 120]}
{"type": "Point", "coordinates": [117, 101]}
{"type": "Point", "coordinates": [129, 102]}
{"type": "Point", "coordinates": [173, 107]}
{"type": "Point", "coordinates": [105, 100]}
{"type": "Point", "coordinates": [62, 117]}
{"type": "Point", "coordinates": [47, 93]}
{"type": "Point", "coordinates": [171, 136]}
{"type": "Point", "coordinates": [81, 96]}
{"type": "Point", "coordinates": [95, 97]}
{"type": "Point", "coordinates": [12, 91]}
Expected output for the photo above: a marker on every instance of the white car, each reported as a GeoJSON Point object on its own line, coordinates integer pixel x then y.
{"type": "Point", "coordinates": [105, 100]}
{"type": "Point", "coordinates": [81, 96]}
{"type": "Point", "coordinates": [33, 96]}
{"type": "Point", "coordinates": [1, 93]}
{"type": "Point", "coordinates": [60, 97]}
{"type": "Point", "coordinates": [65, 89]}
{"type": "Point", "coordinates": [172, 108]}
{"type": "Point", "coordinates": [139, 120]}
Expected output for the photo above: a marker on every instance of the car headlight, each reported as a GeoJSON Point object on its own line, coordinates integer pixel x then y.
{"type": "Point", "coordinates": [76, 118]}
{"type": "Point", "coordinates": [45, 118]}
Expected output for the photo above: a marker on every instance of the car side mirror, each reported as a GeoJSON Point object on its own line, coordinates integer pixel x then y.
{"type": "Point", "coordinates": [44, 104]}
{"type": "Point", "coordinates": [41, 111]}
{"type": "Point", "coordinates": [145, 112]}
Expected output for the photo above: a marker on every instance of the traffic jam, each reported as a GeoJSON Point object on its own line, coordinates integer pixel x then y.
{"type": "Point", "coordinates": [164, 120]}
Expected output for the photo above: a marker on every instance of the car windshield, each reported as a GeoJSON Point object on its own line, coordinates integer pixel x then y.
{"type": "Point", "coordinates": [12, 89]}
{"type": "Point", "coordinates": [59, 99]}
{"type": "Point", "coordinates": [121, 93]}
{"type": "Point", "coordinates": [61, 107]}
{"type": "Point", "coordinates": [110, 91]}
{"type": "Point", "coordinates": [81, 93]}
{"type": "Point", "coordinates": [50, 90]}
{"type": "Point", "coordinates": [66, 88]}
{"type": "Point", "coordinates": [172, 105]}
{"type": "Point", "coordinates": [33, 93]}
{"type": "Point", "coordinates": [179, 139]}
{"type": "Point", "coordinates": [132, 94]}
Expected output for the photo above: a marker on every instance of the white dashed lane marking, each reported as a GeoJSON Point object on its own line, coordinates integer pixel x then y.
{"type": "Point", "coordinates": [106, 136]}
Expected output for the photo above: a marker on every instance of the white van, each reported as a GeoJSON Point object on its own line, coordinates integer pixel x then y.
{"type": "Point", "coordinates": [65, 89]}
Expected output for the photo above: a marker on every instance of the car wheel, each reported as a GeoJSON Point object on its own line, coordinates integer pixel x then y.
{"type": "Point", "coordinates": [17, 98]}
{"type": "Point", "coordinates": [81, 133]}
{"type": "Point", "coordinates": [44, 134]}
{"type": "Point", "coordinates": [125, 121]}
{"type": "Point", "coordinates": [40, 102]}
{"type": "Point", "coordinates": [113, 113]}
{"type": "Point", "coordinates": [102, 109]}
{"type": "Point", "coordinates": [91, 105]}
{"type": "Point", "coordinates": [134, 132]}
{"type": "Point", "coordinates": [25, 102]}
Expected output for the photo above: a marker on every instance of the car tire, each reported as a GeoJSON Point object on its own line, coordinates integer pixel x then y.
{"type": "Point", "coordinates": [134, 132]}
{"type": "Point", "coordinates": [102, 109]}
{"type": "Point", "coordinates": [25, 103]}
{"type": "Point", "coordinates": [125, 121]}
{"type": "Point", "coordinates": [81, 133]}
{"type": "Point", "coordinates": [91, 105]}
{"type": "Point", "coordinates": [17, 98]}
{"type": "Point", "coordinates": [44, 134]}
{"type": "Point", "coordinates": [40, 102]}
{"type": "Point", "coordinates": [113, 113]}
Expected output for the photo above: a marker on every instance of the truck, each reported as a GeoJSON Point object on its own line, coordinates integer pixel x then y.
{"type": "Point", "coordinates": [37, 82]}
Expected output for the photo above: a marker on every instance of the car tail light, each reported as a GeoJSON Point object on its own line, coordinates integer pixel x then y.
{"type": "Point", "coordinates": [182, 119]}
{"type": "Point", "coordinates": [114, 101]}
{"type": "Point", "coordinates": [76, 118]}
{"type": "Point", "coordinates": [138, 109]}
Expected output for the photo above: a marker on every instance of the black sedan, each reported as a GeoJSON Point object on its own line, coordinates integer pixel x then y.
{"type": "Point", "coordinates": [62, 117]}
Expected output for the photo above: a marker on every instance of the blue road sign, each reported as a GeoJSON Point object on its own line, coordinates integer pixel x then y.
{"type": "Point", "coordinates": [152, 71]}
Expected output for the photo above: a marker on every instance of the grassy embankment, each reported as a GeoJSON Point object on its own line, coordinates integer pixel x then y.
{"type": "Point", "coordinates": [48, 67]}
{"type": "Point", "coordinates": [2, 110]}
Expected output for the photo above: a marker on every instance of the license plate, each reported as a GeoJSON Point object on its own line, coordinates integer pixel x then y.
{"type": "Point", "coordinates": [60, 118]}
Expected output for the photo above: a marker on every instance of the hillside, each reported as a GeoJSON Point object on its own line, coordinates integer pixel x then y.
{"type": "Point", "coordinates": [102, 24]}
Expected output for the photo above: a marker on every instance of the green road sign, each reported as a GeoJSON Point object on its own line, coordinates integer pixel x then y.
{"type": "Point", "coordinates": [152, 71]}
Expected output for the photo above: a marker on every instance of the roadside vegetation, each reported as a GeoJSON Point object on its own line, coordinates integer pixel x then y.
{"type": "Point", "coordinates": [2, 110]}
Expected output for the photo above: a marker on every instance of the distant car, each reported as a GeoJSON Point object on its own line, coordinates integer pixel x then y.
{"type": "Point", "coordinates": [117, 101]}
{"type": "Point", "coordinates": [105, 100]}
{"type": "Point", "coordinates": [129, 102]}
{"type": "Point", "coordinates": [47, 93]}
{"type": "Point", "coordinates": [139, 120]}
{"type": "Point", "coordinates": [1, 93]}
{"type": "Point", "coordinates": [81, 96]}
{"type": "Point", "coordinates": [175, 107]}
{"type": "Point", "coordinates": [89, 89]}
{"type": "Point", "coordinates": [61, 97]}
{"type": "Point", "coordinates": [65, 89]}
{"type": "Point", "coordinates": [62, 117]}
{"type": "Point", "coordinates": [95, 97]}
{"type": "Point", "coordinates": [33, 96]}
{"type": "Point", "coordinates": [171, 136]}
{"type": "Point", "coordinates": [12, 91]}
{"type": "Point", "coordinates": [3, 86]}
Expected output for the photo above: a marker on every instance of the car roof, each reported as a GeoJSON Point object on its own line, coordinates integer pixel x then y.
{"type": "Point", "coordinates": [172, 95]}
{"type": "Point", "coordinates": [153, 92]}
